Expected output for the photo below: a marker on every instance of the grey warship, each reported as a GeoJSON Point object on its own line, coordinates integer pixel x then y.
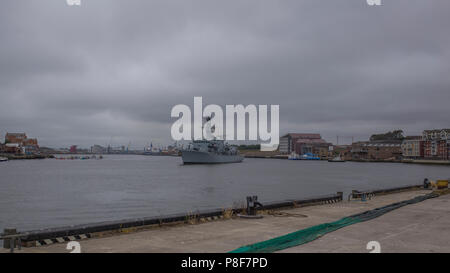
{"type": "Point", "coordinates": [210, 152]}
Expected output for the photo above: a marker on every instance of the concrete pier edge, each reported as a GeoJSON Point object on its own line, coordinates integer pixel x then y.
{"type": "Point", "coordinates": [375, 192]}
{"type": "Point", "coordinates": [80, 232]}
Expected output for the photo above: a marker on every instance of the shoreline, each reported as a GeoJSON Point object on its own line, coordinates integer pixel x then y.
{"type": "Point", "coordinates": [409, 161]}
{"type": "Point", "coordinates": [285, 157]}
{"type": "Point", "coordinates": [25, 157]}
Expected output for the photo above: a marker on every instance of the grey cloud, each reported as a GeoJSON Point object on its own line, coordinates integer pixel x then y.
{"type": "Point", "coordinates": [113, 69]}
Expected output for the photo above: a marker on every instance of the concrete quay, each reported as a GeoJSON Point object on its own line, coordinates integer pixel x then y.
{"type": "Point", "coordinates": [422, 227]}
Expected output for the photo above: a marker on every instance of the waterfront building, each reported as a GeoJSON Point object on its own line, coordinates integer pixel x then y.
{"type": "Point", "coordinates": [412, 147]}
{"type": "Point", "coordinates": [97, 149]}
{"type": "Point", "coordinates": [14, 148]}
{"type": "Point", "coordinates": [19, 143]}
{"type": "Point", "coordinates": [377, 150]}
{"type": "Point", "coordinates": [288, 141]}
{"type": "Point", "coordinates": [30, 149]}
{"type": "Point", "coordinates": [73, 149]}
{"type": "Point", "coordinates": [343, 151]}
{"type": "Point", "coordinates": [115, 150]}
{"type": "Point", "coordinates": [285, 146]}
{"type": "Point", "coordinates": [15, 137]}
{"type": "Point", "coordinates": [436, 144]}
{"type": "Point", "coordinates": [317, 146]}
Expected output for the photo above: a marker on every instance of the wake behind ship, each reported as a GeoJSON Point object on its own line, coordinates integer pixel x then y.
{"type": "Point", "coordinates": [210, 152]}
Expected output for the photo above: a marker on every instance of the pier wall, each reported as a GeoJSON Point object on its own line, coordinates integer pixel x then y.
{"type": "Point", "coordinates": [79, 232]}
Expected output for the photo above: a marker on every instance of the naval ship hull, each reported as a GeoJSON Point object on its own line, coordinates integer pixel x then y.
{"type": "Point", "coordinates": [196, 157]}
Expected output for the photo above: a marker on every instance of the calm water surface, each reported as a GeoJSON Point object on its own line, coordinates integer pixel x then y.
{"type": "Point", "coordinates": [47, 193]}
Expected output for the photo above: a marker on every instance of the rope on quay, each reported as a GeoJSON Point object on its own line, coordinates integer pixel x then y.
{"type": "Point", "coordinates": [307, 235]}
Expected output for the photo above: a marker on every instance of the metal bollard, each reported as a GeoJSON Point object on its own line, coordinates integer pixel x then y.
{"type": "Point", "coordinates": [426, 183]}
{"type": "Point", "coordinates": [252, 203]}
{"type": "Point", "coordinates": [12, 243]}
{"type": "Point", "coordinates": [363, 197]}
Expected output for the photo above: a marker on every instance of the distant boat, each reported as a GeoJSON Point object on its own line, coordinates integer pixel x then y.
{"type": "Point", "coordinates": [210, 152]}
{"type": "Point", "coordinates": [3, 159]}
{"type": "Point", "coordinates": [213, 151]}
{"type": "Point", "coordinates": [294, 156]}
{"type": "Point", "coordinates": [336, 159]}
{"type": "Point", "coordinates": [307, 156]}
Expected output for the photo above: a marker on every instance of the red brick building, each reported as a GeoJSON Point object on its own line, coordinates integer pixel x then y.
{"type": "Point", "coordinates": [287, 142]}
{"type": "Point", "coordinates": [73, 149]}
{"type": "Point", "coordinates": [20, 143]}
{"type": "Point", "coordinates": [15, 137]}
{"type": "Point", "coordinates": [304, 143]}
{"type": "Point", "coordinates": [13, 148]}
{"type": "Point", "coordinates": [316, 146]}
{"type": "Point", "coordinates": [436, 144]}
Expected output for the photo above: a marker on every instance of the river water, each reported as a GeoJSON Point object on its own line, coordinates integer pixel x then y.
{"type": "Point", "coordinates": [49, 193]}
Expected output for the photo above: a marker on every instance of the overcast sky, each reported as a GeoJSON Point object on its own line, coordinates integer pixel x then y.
{"type": "Point", "coordinates": [109, 71]}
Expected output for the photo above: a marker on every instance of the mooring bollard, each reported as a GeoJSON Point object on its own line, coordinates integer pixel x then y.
{"type": "Point", "coordinates": [352, 195]}
{"type": "Point", "coordinates": [9, 243]}
{"type": "Point", "coordinates": [252, 203]}
{"type": "Point", "coordinates": [426, 183]}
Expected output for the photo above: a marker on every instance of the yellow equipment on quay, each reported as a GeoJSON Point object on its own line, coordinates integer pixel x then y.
{"type": "Point", "coordinates": [442, 184]}
{"type": "Point", "coordinates": [439, 184]}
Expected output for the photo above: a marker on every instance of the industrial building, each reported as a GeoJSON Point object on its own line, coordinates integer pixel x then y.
{"type": "Point", "coordinates": [301, 143]}
{"type": "Point", "coordinates": [97, 149]}
{"type": "Point", "coordinates": [377, 150]}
